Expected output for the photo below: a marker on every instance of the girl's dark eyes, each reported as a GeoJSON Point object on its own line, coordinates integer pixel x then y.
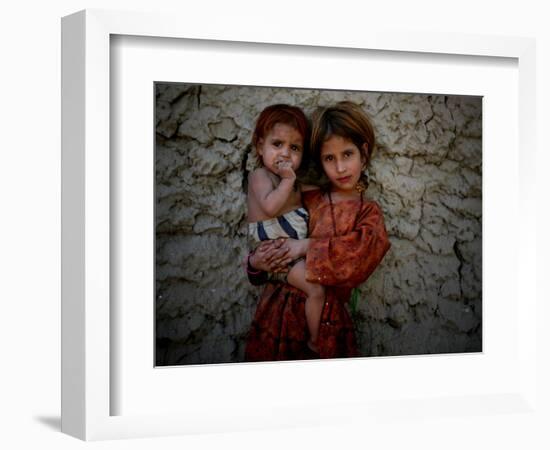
{"type": "Point", "coordinates": [346, 154]}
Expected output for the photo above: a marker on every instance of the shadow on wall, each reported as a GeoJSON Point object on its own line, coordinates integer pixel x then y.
{"type": "Point", "coordinates": [425, 297]}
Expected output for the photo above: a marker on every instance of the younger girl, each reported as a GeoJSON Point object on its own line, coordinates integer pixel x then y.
{"type": "Point", "coordinates": [347, 240]}
{"type": "Point", "coordinates": [274, 202]}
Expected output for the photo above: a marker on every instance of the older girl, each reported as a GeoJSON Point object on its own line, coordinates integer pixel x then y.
{"type": "Point", "coordinates": [347, 240]}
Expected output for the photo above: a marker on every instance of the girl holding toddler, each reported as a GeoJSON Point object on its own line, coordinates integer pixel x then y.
{"type": "Point", "coordinates": [336, 247]}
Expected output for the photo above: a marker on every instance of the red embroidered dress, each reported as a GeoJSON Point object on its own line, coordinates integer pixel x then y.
{"type": "Point", "coordinates": [340, 262]}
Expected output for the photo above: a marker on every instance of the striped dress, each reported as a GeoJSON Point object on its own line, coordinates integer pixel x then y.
{"type": "Point", "coordinates": [292, 224]}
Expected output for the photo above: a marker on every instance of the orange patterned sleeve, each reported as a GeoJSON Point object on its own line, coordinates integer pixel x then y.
{"type": "Point", "coordinates": [348, 260]}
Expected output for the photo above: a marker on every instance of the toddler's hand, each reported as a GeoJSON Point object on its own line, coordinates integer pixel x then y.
{"type": "Point", "coordinates": [285, 170]}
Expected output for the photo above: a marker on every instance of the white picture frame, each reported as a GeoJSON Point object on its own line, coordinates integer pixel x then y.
{"type": "Point", "coordinates": [88, 387]}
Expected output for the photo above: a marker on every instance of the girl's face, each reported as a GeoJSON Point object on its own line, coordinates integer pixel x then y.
{"type": "Point", "coordinates": [342, 162]}
{"type": "Point", "coordinates": [283, 143]}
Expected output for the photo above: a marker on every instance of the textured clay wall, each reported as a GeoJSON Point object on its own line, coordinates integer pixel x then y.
{"type": "Point", "coordinates": [425, 297]}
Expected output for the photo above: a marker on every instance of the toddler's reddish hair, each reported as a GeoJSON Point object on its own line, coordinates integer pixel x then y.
{"type": "Point", "coordinates": [284, 114]}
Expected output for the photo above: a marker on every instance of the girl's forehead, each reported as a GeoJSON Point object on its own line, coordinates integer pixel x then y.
{"type": "Point", "coordinates": [336, 143]}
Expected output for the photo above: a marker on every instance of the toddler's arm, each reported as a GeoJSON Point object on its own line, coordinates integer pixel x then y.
{"type": "Point", "coordinates": [261, 187]}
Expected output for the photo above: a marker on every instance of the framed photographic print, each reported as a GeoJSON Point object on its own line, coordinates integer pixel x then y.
{"type": "Point", "coordinates": [157, 130]}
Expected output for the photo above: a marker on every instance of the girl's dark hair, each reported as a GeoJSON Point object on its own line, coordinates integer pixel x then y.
{"type": "Point", "coordinates": [347, 120]}
{"type": "Point", "coordinates": [284, 114]}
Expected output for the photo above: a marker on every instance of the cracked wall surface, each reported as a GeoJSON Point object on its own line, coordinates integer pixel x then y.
{"type": "Point", "coordinates": [425, 297]}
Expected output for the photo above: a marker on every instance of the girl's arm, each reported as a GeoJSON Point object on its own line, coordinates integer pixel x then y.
{"type": "Point", "coordinates": [308, 187]}
{"type": "Point", "coordinates": [270, 200]}
{"type": "Point", "coordinates": [273, 256]}
{"type": "Point", "coordinates": [350, 259]}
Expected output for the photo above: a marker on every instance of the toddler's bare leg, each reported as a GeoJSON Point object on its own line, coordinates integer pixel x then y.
{"type": "Point", "coordinates": [314, 302]}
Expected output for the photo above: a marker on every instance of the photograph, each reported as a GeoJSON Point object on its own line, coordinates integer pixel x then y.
{"type": "Point", "coordinates": [300, 224]}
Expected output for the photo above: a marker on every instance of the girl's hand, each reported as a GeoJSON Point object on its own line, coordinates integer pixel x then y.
{"type": "Point", "coordinates": [296, 248]}
{"type": "Point", "coordinates": [271, 256]}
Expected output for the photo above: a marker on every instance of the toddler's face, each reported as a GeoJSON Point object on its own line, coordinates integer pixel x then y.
{"type": "Point", "coordinates": [282, 146]}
